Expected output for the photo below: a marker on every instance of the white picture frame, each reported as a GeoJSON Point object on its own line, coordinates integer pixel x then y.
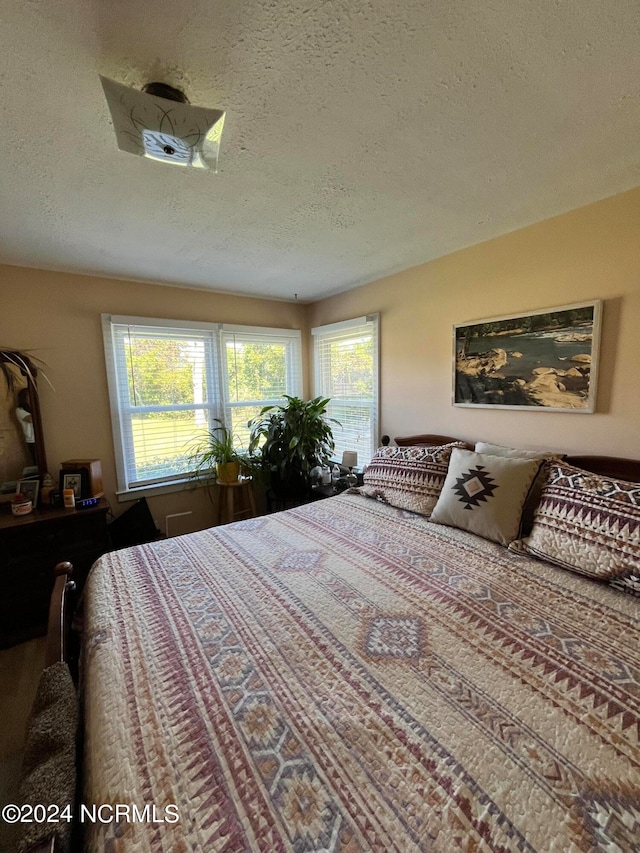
{"type": "Point", "coordinates": [548, 361]}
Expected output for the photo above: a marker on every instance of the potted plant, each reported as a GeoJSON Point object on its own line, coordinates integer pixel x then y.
{"type": "Point", "coordinates": [217, 452]}
{"type": "Point", "coordinates": [289, 440]}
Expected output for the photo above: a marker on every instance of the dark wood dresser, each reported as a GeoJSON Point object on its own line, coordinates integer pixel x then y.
{"type": "Point", "coordinates": [30, 547]}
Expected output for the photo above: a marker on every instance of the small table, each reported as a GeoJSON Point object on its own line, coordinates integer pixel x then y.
{"type": "Point", "coordinates": [228, 509]}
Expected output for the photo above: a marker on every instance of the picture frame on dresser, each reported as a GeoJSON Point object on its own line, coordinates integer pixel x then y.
{"type": "Point", "coordinates": [544, 360]}
{"type": "Point", "coordinates": [29, 490]}
{"type": "Point", "coordinates": [76, 480]}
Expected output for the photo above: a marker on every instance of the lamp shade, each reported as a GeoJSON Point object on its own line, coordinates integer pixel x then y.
{"type": "Point", "coordinates": [349, 458]}
{"type": "Point", "coordinates": [170, 131]}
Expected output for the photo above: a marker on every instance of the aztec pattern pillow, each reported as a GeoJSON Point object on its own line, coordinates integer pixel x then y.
{"type": "Point", "coordinates": [587, 523]}
{"type": "Point", "coordinates": [408, 478]}
{"type": "Point", "coordinates": [485, 494]}
{"type": "Point", "coordinates": [629, 584]}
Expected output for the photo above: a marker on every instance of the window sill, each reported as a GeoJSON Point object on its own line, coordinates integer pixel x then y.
{"type": "Point", "coordinates": [127, 495]}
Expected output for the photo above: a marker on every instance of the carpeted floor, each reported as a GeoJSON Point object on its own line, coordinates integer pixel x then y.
{"type": "Point", "coordinates": [20, 669]}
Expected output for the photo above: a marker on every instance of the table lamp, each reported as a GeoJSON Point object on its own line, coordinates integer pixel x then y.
{"type": "Point", "coordinates": [350, 460]}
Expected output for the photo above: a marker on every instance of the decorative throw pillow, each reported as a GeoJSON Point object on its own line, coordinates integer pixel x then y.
{"type": "Point", "coordinates": [513, 452]}
{"type": "Point", "coordinates": [587, 523]}
{"type": "Point", "coordinates": [533, 498]}
{"type": "Point", "coordinates": [485, 494]}
{"type": "Point", "coordinates": [629, 584]}
{"type": "Point", "coordinates": [409, 478]}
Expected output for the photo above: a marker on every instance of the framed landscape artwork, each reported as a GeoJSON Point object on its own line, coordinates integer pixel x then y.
{"type": "Point", "coordinates": [543, 361]}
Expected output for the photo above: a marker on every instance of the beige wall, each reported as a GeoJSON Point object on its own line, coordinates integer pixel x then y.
{"type": "Point", "coordinates": [57, 317]}
{"type": "Point", "coordinates": [591, 253]}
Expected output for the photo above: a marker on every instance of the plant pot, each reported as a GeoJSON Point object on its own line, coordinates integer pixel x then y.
{"type": "Point", "coordinates": [227, 472]}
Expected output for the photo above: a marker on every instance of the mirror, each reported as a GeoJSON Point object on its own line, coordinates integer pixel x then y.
{"type": "Point", "coordinates": [22, 453]}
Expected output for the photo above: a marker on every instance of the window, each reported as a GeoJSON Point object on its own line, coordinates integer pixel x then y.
{"type": "Point", "coordinates": [259, 368]}
{"type": "Point", "coordinates": [346, 370]}
{"type": "Point", "coordinates": [169, 381]}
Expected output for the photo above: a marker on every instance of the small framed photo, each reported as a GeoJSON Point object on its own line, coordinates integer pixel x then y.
{"type": "Point", "coordinates": [29, 490]}
{"type": "Point", "coordinates": [72, 480]}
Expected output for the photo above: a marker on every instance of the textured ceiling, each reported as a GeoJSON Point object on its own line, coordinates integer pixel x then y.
{"type": "Point", "coordinates": [361, 138]}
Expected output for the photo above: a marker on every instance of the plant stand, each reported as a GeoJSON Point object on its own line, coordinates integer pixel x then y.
{"type": "Point", "coordinates": [235, 501]}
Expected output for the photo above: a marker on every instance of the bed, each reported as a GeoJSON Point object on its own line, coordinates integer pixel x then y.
{"type": "Point", "coordinates": [349, 676]}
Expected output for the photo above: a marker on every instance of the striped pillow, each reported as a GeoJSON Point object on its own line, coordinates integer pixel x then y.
{"type": "Point", "coordinates": [587, 523]}
{"type": "Point", "coordinates": [409, 478]}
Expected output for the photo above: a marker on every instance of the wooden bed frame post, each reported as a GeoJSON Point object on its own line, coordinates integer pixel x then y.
{"type": "Point", "coordinates": [55, 648]}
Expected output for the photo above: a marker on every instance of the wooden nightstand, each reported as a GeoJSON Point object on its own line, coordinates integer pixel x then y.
{"type": "Point", "coordinates": [319, 492]}
{"type": "Point", "coordinates": [30, 546]}
{"type": "Point", "coordinates": [315, 493]}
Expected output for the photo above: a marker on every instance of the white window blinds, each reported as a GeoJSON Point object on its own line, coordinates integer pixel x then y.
{"type": "Point", "coordinates": [167, 393]}
{"type": "Point", "coordinates": [346, 370]}
{"type": "Point", "coordinates": [260, 366]}
{"type": "Point", "coordinates": [169, 381]}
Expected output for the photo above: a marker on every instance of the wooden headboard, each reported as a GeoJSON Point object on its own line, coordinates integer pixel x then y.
{"type": "Point", "coordinates": [606, 466]}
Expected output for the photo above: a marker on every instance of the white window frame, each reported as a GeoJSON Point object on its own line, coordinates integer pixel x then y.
{"type": "Point", "coordinates": [292, 340]}
{"type": "Point", "coordinates": [322, 334]}
{"type": "Point", "coordinates": [218, 404]}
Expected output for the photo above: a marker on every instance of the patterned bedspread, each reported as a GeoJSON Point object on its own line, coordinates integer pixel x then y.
{"type": "Point", "coordinates": [346, 676]}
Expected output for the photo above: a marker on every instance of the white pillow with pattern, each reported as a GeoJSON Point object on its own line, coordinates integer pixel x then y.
{"type": "Point", "coordinates": [485, 494]}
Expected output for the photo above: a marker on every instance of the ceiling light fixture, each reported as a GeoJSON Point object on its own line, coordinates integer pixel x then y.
{"type": "Point", "coordinates": [159, 122]}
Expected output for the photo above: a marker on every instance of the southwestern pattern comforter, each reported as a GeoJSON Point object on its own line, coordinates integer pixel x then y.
{"type": "Point", "coordinates": [346, 676]}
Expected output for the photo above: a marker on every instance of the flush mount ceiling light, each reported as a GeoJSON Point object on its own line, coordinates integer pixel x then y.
{"type": "Point", "coordinates": [159, 122]}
